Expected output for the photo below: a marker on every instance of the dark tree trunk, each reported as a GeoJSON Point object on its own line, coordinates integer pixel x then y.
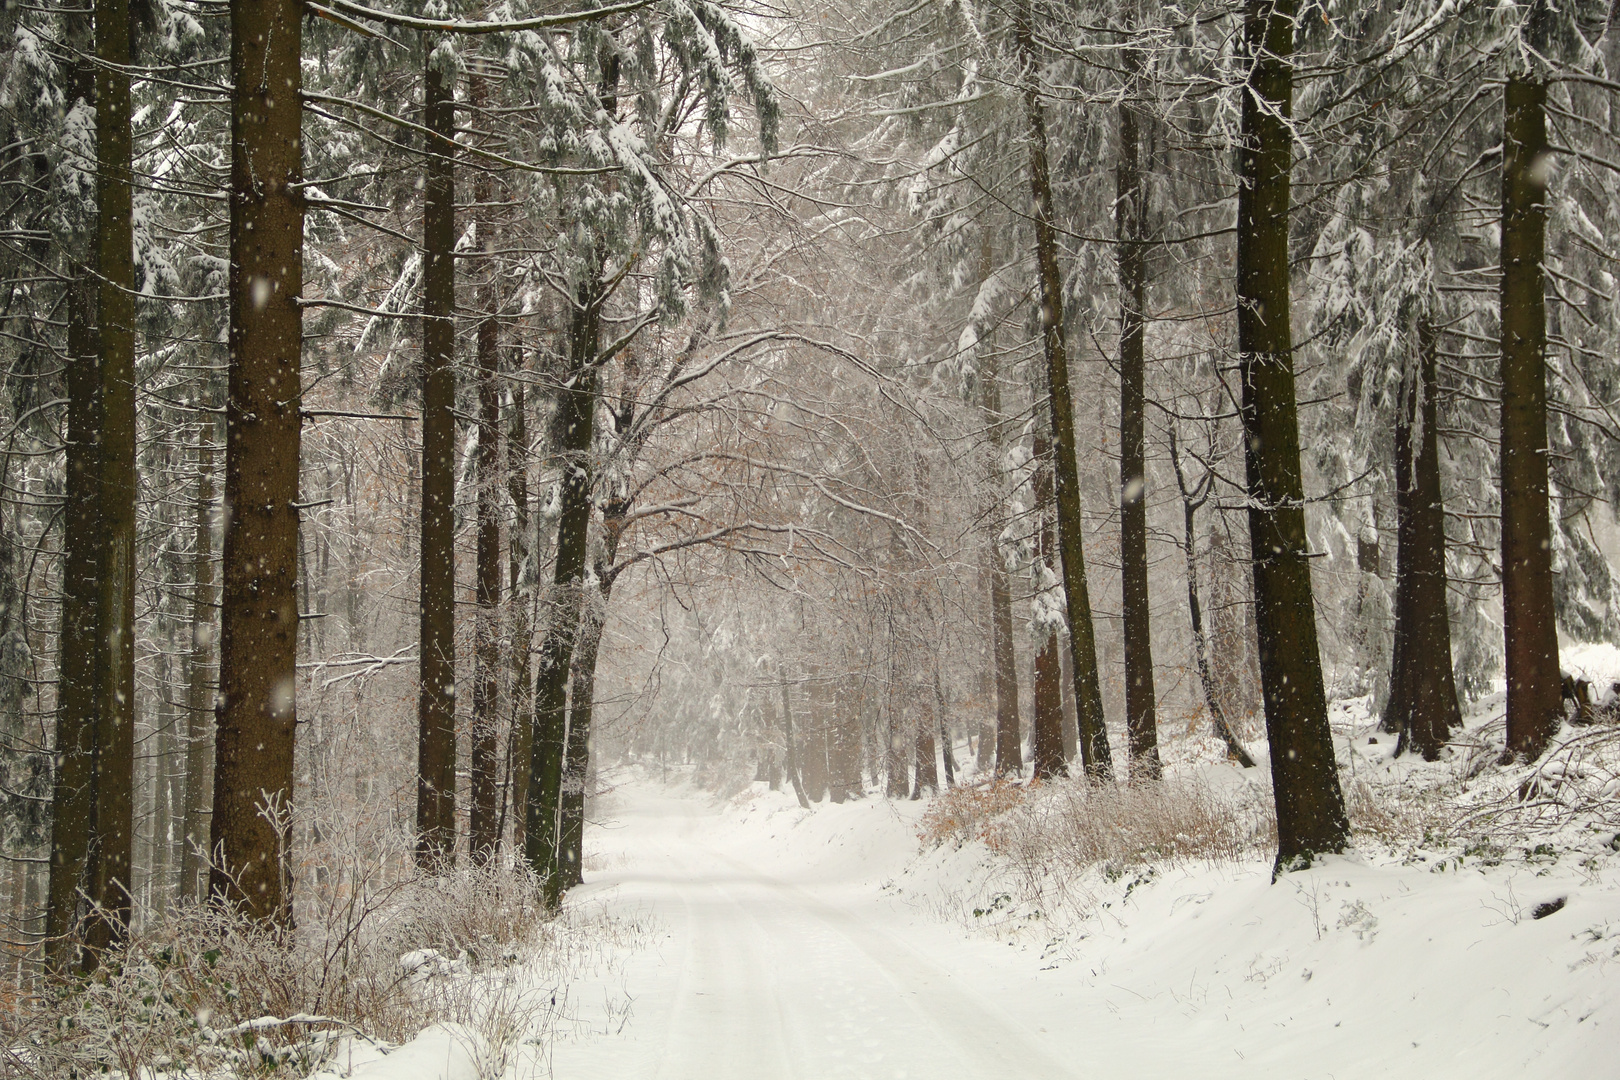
{"type": "Point", "coordinates": [1427, 692]}
{"type": "Point", "coordinates": [1046, 740]}
{"type": "Point", "coordinates": [576, 768]}
{"type": "Point", "coordinates": [259, 611]}
{"type": "Point", "coordinates": [1534, 706]}
{"type": "Point", "coordinates": [200, 679]}
{"type": "Point", "coordinates": [521, 572]}
{"type": "Point", "coordinates": [1095, 755]}
{"type": "Point", "coordinates": [483, 827]}
{"type": "Point", "coordinates": [84, 551]}
{"type": "Point", "coordinates": [1397, 706]}
{"type": "Point", "coordinates": [576, 765]}
{"type": "Point", "coordinates": [1191, 500]}
{"type": "Point", "coordinates": [109, 867]}
{"type": "Point", "coordinates": [436, 703]}
{"type": "Point", "coordinates": [1130, 209]}
{"type": "Point", "coordinates": [1305, 779]}
{"type": "Point", "coordinates": [572, 432]}
{"type": "Point", "coordinates": [948, 753]}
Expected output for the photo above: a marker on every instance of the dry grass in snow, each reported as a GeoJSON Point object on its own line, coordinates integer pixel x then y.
{"type": "Point", "coordinates": [466, 959]}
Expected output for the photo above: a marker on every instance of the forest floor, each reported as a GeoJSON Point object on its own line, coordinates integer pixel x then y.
{"type": "Point", "coordinates": [832, 943]}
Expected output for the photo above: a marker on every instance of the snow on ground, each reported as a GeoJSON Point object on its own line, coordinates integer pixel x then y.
{"type": "Point", "coordinates": [831, 943]}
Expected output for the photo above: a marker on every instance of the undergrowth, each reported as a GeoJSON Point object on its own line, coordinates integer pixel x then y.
{"type": "Point", "coordinates": [204, 994]}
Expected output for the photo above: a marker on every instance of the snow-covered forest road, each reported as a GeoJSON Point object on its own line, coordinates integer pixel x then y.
{"type": "Point", "coordinates": [762, 976]}
{"type": "Point", "coordinates": [780, 943]}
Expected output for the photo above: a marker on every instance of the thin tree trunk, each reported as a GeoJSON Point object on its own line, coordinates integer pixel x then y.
{"type": "Point", "coordinates": [521, 572]}
{"type": "Point", "coordinates": [1305, 780]}
{"type": "Point", "coordinates": [112, 834]}
{"type": "Point", "coordinates": [1008, 745]}
{"type": "Point", "coordinates": [1046, 739]}
{"type": "Point", "coordinates": [948, 752]}
{"type": "Point", "coordinates": [1130, 208]}
{"type": "Point", "coordinates": [84, 547]}
{"type": "Point", "coordinates": [1191, 500]}
{"type": "Point", "coordinates": [484, 724]}
{"type": "Point", "coordinates": [1396, 707]}
{"type": "Point", "coordinates": [200, 681]}
{"type": "Point", "coordinates": [259, 612]}
{"type": "Point", "coordinates": [436, 703]}
{"type": "Point", "coordinates": [1529, 623]}
{"type": "Point", "coordinates": [1094, 751]}
{"type": "Point", "coordinates": [792, 747]}
{"type": "Point", "coordinates": [1071, 715]}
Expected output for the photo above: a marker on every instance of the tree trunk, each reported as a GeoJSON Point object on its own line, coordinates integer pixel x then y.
{"type": "Point", "coordinates": [1305, 780]}
{"type": "Point", "coordinates": [1008, 744]}
{"type": "Point", "coordinates": [1130, 209]}
{"type": "Point", "coordinates": [83, 552]}
{"type": "Point", "coordinates": [483, 826]}
{"type": "Point", "coordinates": [792, 760]}
{"type": "Point", "coordinates": [576, 764]}
{"type": "Point", "coordinates": [1046, 739]}
{"type": "Point", "coordinates": [1191, 500]}
{"type": "Point", "coordinates": [576, 767]}
{"type": "Point", "coordinates": [1071, 715]}
{"type": "Point", "coordinates": [1529, 625]}
{"type": "Point", "coordinates": [259, 611]}
{"type": "Point", "coordinates": [521, 571]}
{"type": "Point", "coordinates": [1393, 718]}
{"type": "Point", "coordinates": [926, 780]}
{"type": "Point", "coordinates": [948, 753]}
{"type": "Point", "coordinates": [573, 429]}
{"type": "Point", "coordinates": [108, 874]}
{"type": "Point", "coordinates": [1094, 751]}
{"type": "Point", "coordinates": [200, 681]}
{"type": "Point", "coordinates": [1429, 696]}
{"type": "Point", "coordinates": [436, 703]}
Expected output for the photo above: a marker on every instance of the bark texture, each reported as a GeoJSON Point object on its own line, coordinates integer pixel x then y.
{"type": "Point", "coordinates": [1311, 817]}
{"type": "Point", "coordinates": [84, 551]}
{"type": "Point", "coordinates": [436, 703]}
{"type": "Point", "coordinates": [253, 774]}
{"type": "Point", "coordinates": [573, 429]}
{"type": "Point", "coordinates": [108, 874]}
{"type": "Point", "coordinates": [1529, 625]}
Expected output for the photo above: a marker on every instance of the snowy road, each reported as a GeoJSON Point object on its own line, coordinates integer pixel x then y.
{"type": "Point", "coordinates": [822, 945]}
{"type": "Point", "coordinates": [761, 977]}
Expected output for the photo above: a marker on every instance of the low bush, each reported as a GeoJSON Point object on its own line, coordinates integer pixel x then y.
{"type": "Point", "coordinates": [202, 993]}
